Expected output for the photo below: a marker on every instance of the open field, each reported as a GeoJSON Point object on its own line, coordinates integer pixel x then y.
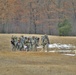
{"type": "Point", "coordinates": [36, 63]}
{"type": "Point", "coordinates": [6, 46]}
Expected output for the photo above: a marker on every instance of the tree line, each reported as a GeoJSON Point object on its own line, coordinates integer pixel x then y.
{"type": "Point", "coordinates": [38, 16]}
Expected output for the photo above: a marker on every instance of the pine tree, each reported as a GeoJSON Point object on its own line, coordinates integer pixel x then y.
{"type": "Point", "coordinates": [64, 28]}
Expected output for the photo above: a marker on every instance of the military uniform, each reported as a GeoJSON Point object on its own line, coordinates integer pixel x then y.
{"type": "Point", "coordinates": [34, 44]}
{"type": "Point", "coordinates": [20, 45]}
{"type": "Point", "coordinates": [45, 42]}
{"type": "Point", "coordinates": [28, 44]}
{"type": "Point", "coordinates": [14, 42]}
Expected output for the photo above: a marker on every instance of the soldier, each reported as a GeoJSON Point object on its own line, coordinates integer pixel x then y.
{"type": "Point", "coordinates": [26, 39]}
{"type": "Point", "coordinates": [28, 44]}
{"type": "Point", "coordinates": [20, 45]}
{"type": "Point", "coordinates": [12, 43]}
{"type": "Point", "coordinates": [45, 42]}
{"type": "Point", "coordinates": [34, 47]}
{"type": "Point", "coordinates": [23, 40]}
{"type": "Point", "coordinates": [37, 41]}
{"type": "Point", "coordinates": [16, 42]}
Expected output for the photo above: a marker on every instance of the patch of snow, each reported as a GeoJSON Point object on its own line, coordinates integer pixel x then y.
{"type": "Point", "coordinates": [70, 54]}
{"type": "Point", "coordinates": [61, 46]}
{"type": "Point", "coordinates": [39, 47]}
{"type": "Point", "coordinates": [52, 51]}
{"type": "Point", "coordinates": [64, 51]}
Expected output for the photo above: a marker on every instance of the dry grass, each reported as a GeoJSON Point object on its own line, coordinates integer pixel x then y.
{"type": "Point", "coordinates": [35, 63]}
{"type": "Point", "coordinates": [63, 40]}
{"type": "Point", "coordinates": [32, 63]}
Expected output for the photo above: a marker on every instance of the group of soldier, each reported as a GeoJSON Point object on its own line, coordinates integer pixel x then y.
{"type": "Point", "coordinates": [29, 43]}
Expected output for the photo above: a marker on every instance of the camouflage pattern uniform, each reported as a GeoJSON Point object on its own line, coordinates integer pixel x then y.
{"type": "Point", "coordinates": [12, 43]}
{"type": "Point", "coordinates": [23, 40]}
{"type": "Point", "coordinates": [20, 45]}
{"type": "Point", "coordinates": [45, 42]}
{"type": "Point", "coordinates": [28, 44]}
{"type": "Point", "coordinates": [34, 48]}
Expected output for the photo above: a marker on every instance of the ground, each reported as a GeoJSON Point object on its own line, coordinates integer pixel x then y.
{"type": "Point", "coordinates": [35, 63]}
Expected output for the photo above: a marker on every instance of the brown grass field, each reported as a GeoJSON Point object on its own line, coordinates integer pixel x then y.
{"type": "Point", "coordinates": [36, 63]}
